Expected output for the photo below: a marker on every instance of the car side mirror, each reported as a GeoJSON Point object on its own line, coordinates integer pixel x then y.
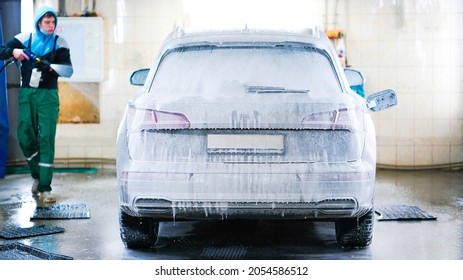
{"type": "Point", "coordinates": [381, 100]}
{"type": "Point", "coordinates": [356, 80]}
{"type": "Point", "coordinates": [138, 77]}
{"type": "Point", "coordinates": [354, 77]}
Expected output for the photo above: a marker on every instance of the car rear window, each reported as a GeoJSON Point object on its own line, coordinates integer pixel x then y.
{"type": "Point", "coordinates": [210, 71]}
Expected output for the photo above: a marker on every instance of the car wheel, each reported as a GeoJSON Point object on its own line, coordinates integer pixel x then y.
{"type": "Point", "coordinates": [355, 232]}
{"type": "Point", "coordinates": [138, 232]}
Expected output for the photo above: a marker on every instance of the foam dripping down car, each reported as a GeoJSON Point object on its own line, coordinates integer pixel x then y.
{"type": "Point", "coordinates": [248, 124]}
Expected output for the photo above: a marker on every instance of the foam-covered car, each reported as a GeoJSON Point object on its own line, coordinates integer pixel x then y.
{"type": "Point", "coordinates": [247, 124]}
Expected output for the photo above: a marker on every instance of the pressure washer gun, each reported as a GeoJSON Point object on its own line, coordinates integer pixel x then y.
{"type": "Point", "coordinates": [44, 65]}
{"type": "Point", "coordinates": [62, 69]}
{"type": "Point", "coordinates": [27, 52]}
{"type": "Point", "coordinates": [31, 55]}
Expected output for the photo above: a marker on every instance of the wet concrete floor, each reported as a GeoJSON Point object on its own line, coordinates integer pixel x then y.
{"type": "Point", "coordinates": [438, 192]}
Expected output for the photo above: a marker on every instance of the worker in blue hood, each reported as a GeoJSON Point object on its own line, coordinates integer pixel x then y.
{"type": "Point", "coordinates": [43, 56]}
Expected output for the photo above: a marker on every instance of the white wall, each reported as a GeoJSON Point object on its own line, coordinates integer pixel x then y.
{"type": "Point", "coordinates": [133, 32]}
{"type": "Point", "coordinates": [415, 48]}
{"type": "Point", "coordinates": [412, 46]}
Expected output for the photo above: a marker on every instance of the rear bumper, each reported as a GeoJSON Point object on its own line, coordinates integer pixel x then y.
{"type": "Point", "coordinates": [168, 210]}
{"type": "Point", "coordinates": [288, 191]}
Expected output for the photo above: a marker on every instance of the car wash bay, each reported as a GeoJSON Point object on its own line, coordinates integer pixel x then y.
{"type": "Point", "coordinates": [437, 194]}
{"type": "Point", "coordinates": [413, 47]}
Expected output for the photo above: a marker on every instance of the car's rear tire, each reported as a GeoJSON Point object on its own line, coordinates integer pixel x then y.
{"type": "Point", "coordinates": [138, 232]}
{"type": "Point", "coordinates": [355, 232]}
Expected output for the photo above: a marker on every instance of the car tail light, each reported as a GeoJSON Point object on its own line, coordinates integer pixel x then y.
{"type": "Point", "coordinates": [342, 118]}
{"type": "Point", "coordinates": [145, 119]}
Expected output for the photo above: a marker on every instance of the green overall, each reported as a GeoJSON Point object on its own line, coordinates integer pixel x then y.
{"type": "Point", "coordinates": [37, 119]}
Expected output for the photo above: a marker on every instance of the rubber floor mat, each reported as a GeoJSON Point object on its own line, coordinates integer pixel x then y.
{"type": "Point", "coordinates": [401, 213]}
{"type": "Point", "coordinates": [62, 211]}
{"type": "Point", "coordinates": [16, 232]}
{"type": "Point", "coordinates": [19, 251]}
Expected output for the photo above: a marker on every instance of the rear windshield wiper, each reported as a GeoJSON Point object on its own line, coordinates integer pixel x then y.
{"type": "Point", "coordinates": [271, 89]}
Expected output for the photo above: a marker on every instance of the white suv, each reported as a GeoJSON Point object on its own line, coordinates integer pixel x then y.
{"type": "Point", "coordinates": [247, 124]}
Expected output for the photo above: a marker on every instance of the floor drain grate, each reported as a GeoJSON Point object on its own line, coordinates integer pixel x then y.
{"type": "Point", "coordinates": [62, 211]}
{"type": "Point", "coordinates": [12, 233]}
{"type": "Point", "coordinates": [223, 253]}
{"type": "Point", "coordinates": [401, 213]}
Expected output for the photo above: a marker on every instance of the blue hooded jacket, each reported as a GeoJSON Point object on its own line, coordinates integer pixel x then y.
{"type": "Point", "coordinates": [42, 43]}
{"type": "Point", "coordinates": [49, 47]}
